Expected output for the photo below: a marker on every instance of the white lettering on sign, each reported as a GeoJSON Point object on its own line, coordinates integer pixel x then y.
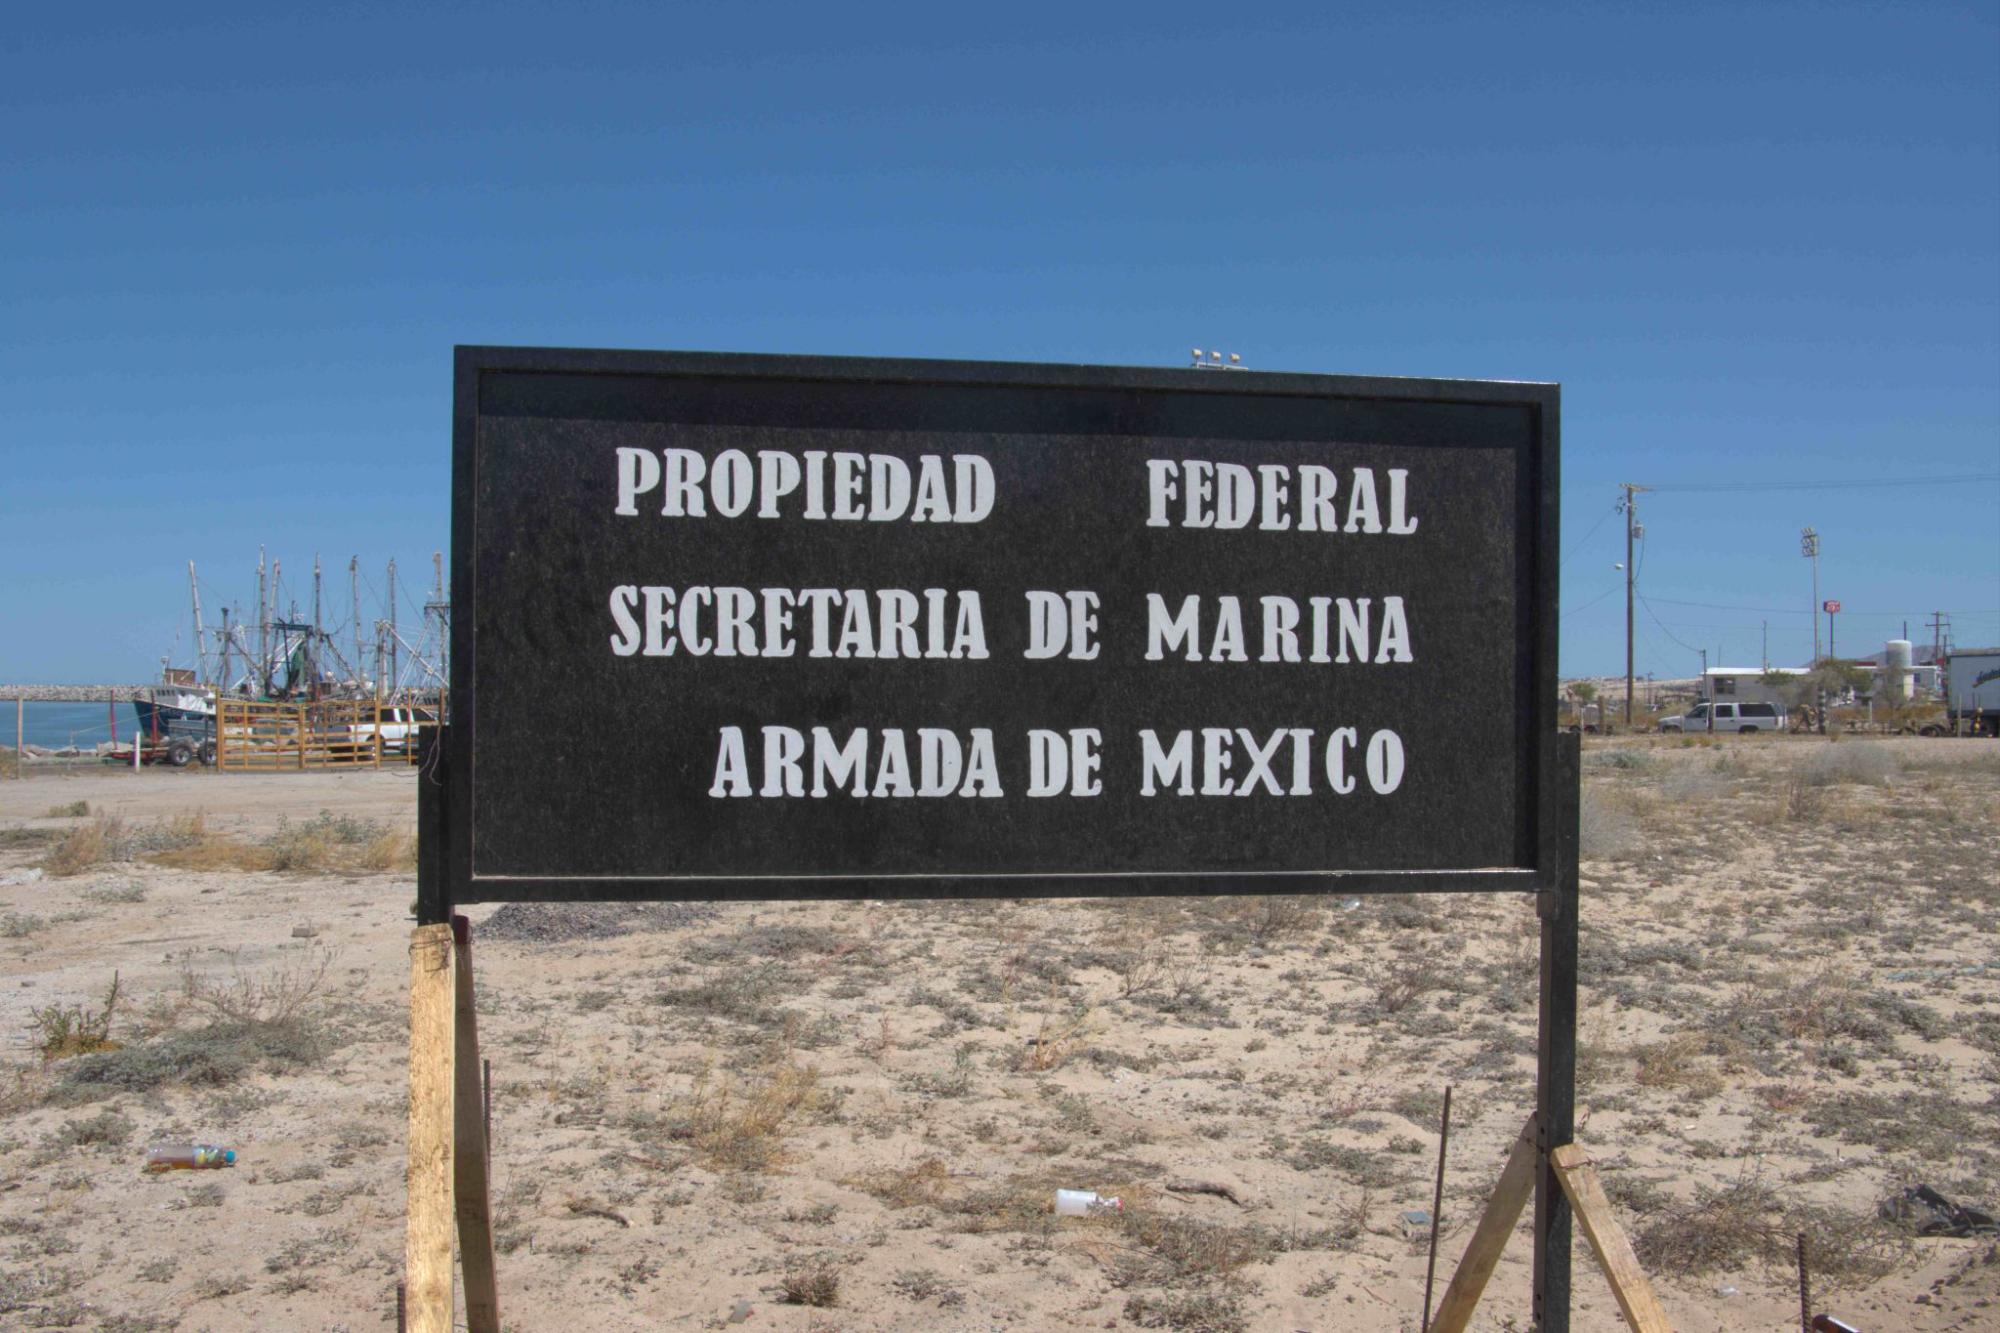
{"type": "Point", "coordinates": [1059, 626]}
{"type": "Point", "coordinates": [1278, 763]}
{"type": "Point", "coordinates": [1195, 493]}
{"type": "Point", "coordinates": [840, 486]}
{"type": "Point", "coordinates": [888, 623]}
{"type": "Point", "coordinates": [945, 764]}
{"type": "Point", "coordinates": [1339, 624]}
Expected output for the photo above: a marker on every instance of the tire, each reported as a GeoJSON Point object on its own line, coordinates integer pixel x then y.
{"type": "Point", "coordinates": [1933, 729]}
{"type": "Point", "coordinates": [180, 753]}
{"type": "Point", "coordinates": [1670, 731]}
{"type": "Point", "coordinates": [208, 754]}
{"type": "Point", "coordinates": [1746, 731]}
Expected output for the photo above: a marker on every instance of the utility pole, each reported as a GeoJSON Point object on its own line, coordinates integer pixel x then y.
{"type": "Point", "coordinates": [1766, 652]}
{"type": "Point", "coordinates": [1937, 637]}
{"type": "Point", "coordinates": [1632, 531]}
{"type": "Point", "coordinates": [1707, 695]}
{"type": "Point", "coordinates": [1809, 548]}
{"type": "Point", "coordinates": [354, 595]}
{"type": "Point", "coordinates": [392, 627]}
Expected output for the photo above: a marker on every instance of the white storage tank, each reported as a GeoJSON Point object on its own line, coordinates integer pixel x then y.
{"type": "Point", "coordinates": [1896, 675]}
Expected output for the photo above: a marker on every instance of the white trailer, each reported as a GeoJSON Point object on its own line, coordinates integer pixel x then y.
{"type": "Point", "coordinates": [1972, 690]}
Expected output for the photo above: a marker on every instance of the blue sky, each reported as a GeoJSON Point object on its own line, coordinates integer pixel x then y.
{"type": "Point", "coordinates": [1755, 243]}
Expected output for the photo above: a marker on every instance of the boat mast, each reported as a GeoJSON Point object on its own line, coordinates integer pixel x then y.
{"type": "Point", "coordinates": [200, 661]}
{"type": "Point", "coordinates": [354, 594]}
{"type": "Point", "coordinates": [312, 658]}
{"type": "Point", "coordinates": [222, 685]}
{"type": "Point", "coordinates": [271, 619]}
{"type": "Point", "coordinates": [443, 611]}
{"type": "Point", "coordinates": [263, 628]}
{"type": "Point", "coordinates": [393, 679]}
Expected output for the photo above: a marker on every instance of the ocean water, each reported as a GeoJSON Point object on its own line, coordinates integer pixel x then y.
{"type": "Point", "coordinates": [57, 725]}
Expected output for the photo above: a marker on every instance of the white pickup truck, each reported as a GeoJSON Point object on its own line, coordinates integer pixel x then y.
{"type": "Point", "coordinates": [1728, 717]}
{"type": "Point", "coordinates": [400, 726]}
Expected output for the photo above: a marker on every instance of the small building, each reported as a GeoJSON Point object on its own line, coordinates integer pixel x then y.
{"type": "Point", "coordinates": [1747, 684]}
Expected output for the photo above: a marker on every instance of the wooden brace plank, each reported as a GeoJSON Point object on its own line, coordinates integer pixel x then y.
{"type": "Point", "coordinates": [472, 1161]}
{"type": "Point", "coordinates": [427, 1254]}
{"type": "Point", "coordinates": [1489, 1238]}
{"type": "Point", "coordinates": [1607, 1240]}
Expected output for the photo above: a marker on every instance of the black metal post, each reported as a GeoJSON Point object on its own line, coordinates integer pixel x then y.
{"type": "Point", "coordinates": [1555, 1073]}
{"type": "Point", "coordinates": [433, 786]}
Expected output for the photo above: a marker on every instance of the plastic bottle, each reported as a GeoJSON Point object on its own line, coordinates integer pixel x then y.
{"type": "Point", "coordinates": [1085, 1203]}
{"type": "Point", "coordinates": [188, 1156]}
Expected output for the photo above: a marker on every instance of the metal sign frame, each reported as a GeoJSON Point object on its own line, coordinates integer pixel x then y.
{"type": "Point", "coordinates": [484, 372]}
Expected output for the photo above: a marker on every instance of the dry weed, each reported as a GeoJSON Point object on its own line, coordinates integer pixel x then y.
{"type": "Point", "coordinates": [85, 847]}
{"type": "Point", "coordinates": [739, 1125]}
{"type": "Point", "coordinates": [815, 1283]}
{"type": "Point", "coordinates": [63, 1030]}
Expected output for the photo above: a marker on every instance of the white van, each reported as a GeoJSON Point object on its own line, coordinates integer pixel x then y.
{"type": "Point", "coordinates": [1728, 717]}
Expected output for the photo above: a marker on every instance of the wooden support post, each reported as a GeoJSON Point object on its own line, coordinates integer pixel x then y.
{"type": "Point", "coordinates": [1607, 1241]}
{"type": "Point", "coordinates": [20, 737]}
{"type": "Point", "coordinates": [1555, 1064]}
{"type": "Point", "coordinates": [472, 1159]}
{"type": "Point", "coordinates": [1489, 1238]}
{"type": "Point", "coordinates": [427, 1255]}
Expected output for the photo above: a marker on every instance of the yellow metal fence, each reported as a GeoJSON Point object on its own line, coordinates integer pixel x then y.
{"type": "Point", "coordinates": [253, 736]}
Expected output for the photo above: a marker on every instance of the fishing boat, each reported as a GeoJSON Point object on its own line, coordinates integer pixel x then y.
{"type": "Point", "coordinates": [175, 709]}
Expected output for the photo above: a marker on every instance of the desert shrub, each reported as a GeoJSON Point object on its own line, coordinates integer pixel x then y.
{"type": "Point", "coordinates": [20, 925]}
{"type": "Point", "coordinates": [1862, 763]}
{"type": "Point", "coordinates": [64, 1030]}
{"type": "Point", "coordinates": [744, 994]}
{"type": "Point", "coordinates": [73, 810]}
{"type": "Point", "coordinates": [283, 995]}
{"type": "Point", "coordinates": [86, 846]}
{"type": "Point", "coordinates": [816, 1283]}
{"type": "Point", "coordinates": [1691, 785]}
{"type": "Point", "coordinates": [267, 1021]}
{"type": "Point", "coordinates": [106, 1129]}
{"type": "Point", "coordinates": [739, 1125]}
{"type": "Point", "coordinates": [206, 1057]}
{"type": "Point", "coordinates": [1677, 1063]}
{"type": "Point", "coordinates": [1620, 761]}
{"type": "Point", "coordinates": [1217, 1310]}
{"type": "Point", "coordinates": [1405, 977]}
{"type": "Point", "coordinates": [1610, 831]}
{"type": "Point", "coordinates": [1748, 1222]}
{"type": "Point", "coordinates": [320, 842]}
{"type": "Point", "coordinates": [1800, 801]}
{"type": "Point", "coordinates": [116, 893]}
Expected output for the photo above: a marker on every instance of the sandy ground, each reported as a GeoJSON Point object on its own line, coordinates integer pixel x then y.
{"type": "Point", "coordinates": [1791, 1009]}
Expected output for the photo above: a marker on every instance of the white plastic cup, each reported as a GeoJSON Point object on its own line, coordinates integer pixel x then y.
{"type": "Point", "coordinates": [1085, 1203]}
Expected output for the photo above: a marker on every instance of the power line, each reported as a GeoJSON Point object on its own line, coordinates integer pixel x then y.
{"type": "Point", "coordinates": [1794, 611]}
{"type": "Point", "coordinates": [1870, 483]}
{"type": "Point", "coordinates": [1592, 602]}
{"type": "Point", "coordinates": [1577, 549]}
{"type": "Point", "coordinates": [1663, 625]}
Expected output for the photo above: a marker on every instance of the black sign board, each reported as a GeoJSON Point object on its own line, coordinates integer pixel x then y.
{"type": "Point", "coordinates": [770, 627]}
